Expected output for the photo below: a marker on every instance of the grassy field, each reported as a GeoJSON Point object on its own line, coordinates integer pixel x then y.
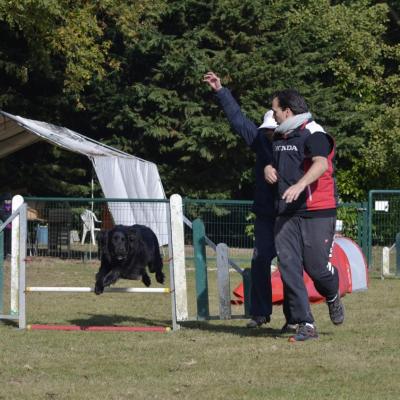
{"type": "Point", "coordinates": [204, 360]}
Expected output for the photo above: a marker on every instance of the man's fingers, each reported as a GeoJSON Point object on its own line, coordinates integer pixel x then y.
{"type": "Point", "coordinates": [272, 179]}
{"type": "Point", "coordinates": [210, 79]}
{"type": "Point", "coordinates": [290, 195]}
{"type": "Point", "coordinates": [210, 75]}
{"type": "Point", "coordinates": [273, 176]}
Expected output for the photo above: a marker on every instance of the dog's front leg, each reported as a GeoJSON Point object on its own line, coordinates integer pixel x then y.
{"type": "Point", "coordinates": [104, 269]}
{"type": "Point", "coordinates": [111, 277]}
{"type": "Point", "coordinates": [99, 287]}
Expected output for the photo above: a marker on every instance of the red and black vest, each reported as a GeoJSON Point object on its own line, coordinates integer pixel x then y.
{"type": "Point", "coordinates": [291, 160]}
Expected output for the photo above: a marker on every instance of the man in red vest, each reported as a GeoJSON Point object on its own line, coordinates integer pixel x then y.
{"type": "Point", "coordinates": [305, 200]}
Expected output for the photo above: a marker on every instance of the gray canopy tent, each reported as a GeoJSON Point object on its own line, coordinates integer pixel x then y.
{"type": "Point", "coordinates": [120, 174]}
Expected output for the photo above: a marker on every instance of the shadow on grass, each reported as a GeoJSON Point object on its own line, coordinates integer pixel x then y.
{"type": "Point", "coordinates": [120, 320]}
{"type": "Point", "coordinates": [231, 329]}
{"type": "Point", "coordinates": [9, 322]}
{"type": "Point", "coordinates": [241, 331]}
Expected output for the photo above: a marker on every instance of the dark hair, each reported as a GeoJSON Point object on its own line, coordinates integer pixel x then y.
{"type": "Point", "coordinates": [291, 98]}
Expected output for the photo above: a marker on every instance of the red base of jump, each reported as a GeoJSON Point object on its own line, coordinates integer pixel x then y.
{"type": "Point", "coordinates": [99, 328]}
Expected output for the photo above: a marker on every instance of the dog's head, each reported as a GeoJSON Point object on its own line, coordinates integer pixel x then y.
{"type": "Point", "coordinates": [115, 244]}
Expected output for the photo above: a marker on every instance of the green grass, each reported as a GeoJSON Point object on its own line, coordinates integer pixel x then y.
{"type": "Point", "coordinates": [204, 360]}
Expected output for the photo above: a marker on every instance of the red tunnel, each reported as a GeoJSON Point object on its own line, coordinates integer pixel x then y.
{"type": "Point", "coordinates": [350, 262]}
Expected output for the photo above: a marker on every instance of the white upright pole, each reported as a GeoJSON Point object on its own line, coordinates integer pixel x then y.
{"type": "Point", "coordinates": [385, 262]}
{"type": "Point", "coordinates": [177, 258]}
{"type": "Point", "coordinates": [22, 255]}
{"type": "Point", "coordinates": [15, 250]}
{"type": "Point", "coordinates": [92, 239]}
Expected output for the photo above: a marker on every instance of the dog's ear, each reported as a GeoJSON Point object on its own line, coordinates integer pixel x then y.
{"type": "Point", "coordinates": [134, 242]}
{"type": "Point", "coordinates": [104, 243]}
{"type": "Point", "coordinates": [141, 253]}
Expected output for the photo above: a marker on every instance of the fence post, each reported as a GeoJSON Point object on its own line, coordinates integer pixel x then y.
{"type": "Point", "coordinates": [398, 254]}
{"type": "Point", "coordinates": [1, 268]}
{"type": "Point", "coordinates": [223, 281]}
{"type": "Point", "coordinates": [21, 268]}
{"type": "Point", "coordinates": [385, 262]}
{"type": "Point", "coordinates": [177, 263]}
{"type": "Point", "coordinates": [365, 229]}
{"type": "Point", "coordinates": [246, 290]}
{"type": "Point", "coordinates": [369, 253]}
{"type": "Point", "coordinates": [359, 225]}
{"type": "Point", "coordinates": [17, 201]}
{"type": "Point", "coordinates": [199, 246]}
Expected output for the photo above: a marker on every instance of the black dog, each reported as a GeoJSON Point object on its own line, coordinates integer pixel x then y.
{"type": "Point", "coordinates": [125, 252]}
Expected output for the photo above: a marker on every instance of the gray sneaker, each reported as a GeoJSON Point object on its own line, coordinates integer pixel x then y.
{"type": "Point", "coordinates": [336, 310]}
{"type": "Point", "coordinates": [257, 321]}
{"type": "Point", "coordinates": [304, 332]}
{"type": "Point", "coordinates": [289, 328]}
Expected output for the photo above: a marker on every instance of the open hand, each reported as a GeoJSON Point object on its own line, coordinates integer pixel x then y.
{"type": "Point", "coordinates": [293, 192]}
{"type": "Point", "coordinates": [213, 80]}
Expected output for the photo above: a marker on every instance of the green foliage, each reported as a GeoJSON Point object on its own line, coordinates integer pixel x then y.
{"type": "Point", "coordinates": [130, 73]}
{"type": "Point", "coordinates": [249, 229]}
{"type": "Point", "coordinates": [51, 50]}
{"type": "Point", "coordinates": [175, 122]}
{"type": "Point", "coordinates": [349, 215]}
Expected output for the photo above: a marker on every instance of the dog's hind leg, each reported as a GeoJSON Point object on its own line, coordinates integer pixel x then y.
{"type": "Point", "coordinates": [151, 267]}
{"type": "Point", "coordinates": [156, 263]}
{"type": "Point", "coordinates": [157, 266]}
{"type": "Point", "coordinates": [146, 279]}
{"type": "Point", "coordinates": [160, 277]}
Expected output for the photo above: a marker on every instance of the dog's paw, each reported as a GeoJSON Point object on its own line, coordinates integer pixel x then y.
{"type": "Point", "coordinates": [98, 289]}
{"type": "Point", "coordinates": [160, 277]}
{"type": "Point", "coordinates": [146, 280]}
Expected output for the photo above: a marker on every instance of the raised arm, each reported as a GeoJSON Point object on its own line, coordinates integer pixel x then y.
{"type": "Point", "coordinates": [238, 121]}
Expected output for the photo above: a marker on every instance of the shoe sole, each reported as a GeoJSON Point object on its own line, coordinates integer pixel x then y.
{"type": "Point", "coordinates": [258, 325]}
{"type": "Point", "coordinates": [255, 326]}
{"type": "Point", "coordinates": [293, 339]}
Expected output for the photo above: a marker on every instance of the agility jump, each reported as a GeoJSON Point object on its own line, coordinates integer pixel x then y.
{"type": "Point", "coordinates": [177, 288]}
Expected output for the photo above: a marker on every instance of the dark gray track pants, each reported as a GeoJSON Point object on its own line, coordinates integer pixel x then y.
{"type": "Point", "coordinates": [305, 242]}
{"type": "Point", "coordinates": [264, 252]}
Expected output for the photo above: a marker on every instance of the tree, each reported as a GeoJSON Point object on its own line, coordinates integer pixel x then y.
{"type": "Point", "coordinates": [131, 76]}
{"type": "Point", "coordinates": [162, 112]}
{"type": "Point", "coordinates": [51, 50]}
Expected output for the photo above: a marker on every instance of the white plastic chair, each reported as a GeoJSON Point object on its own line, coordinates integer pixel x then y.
{"type": "Point", "coordinates": [89, 218]}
